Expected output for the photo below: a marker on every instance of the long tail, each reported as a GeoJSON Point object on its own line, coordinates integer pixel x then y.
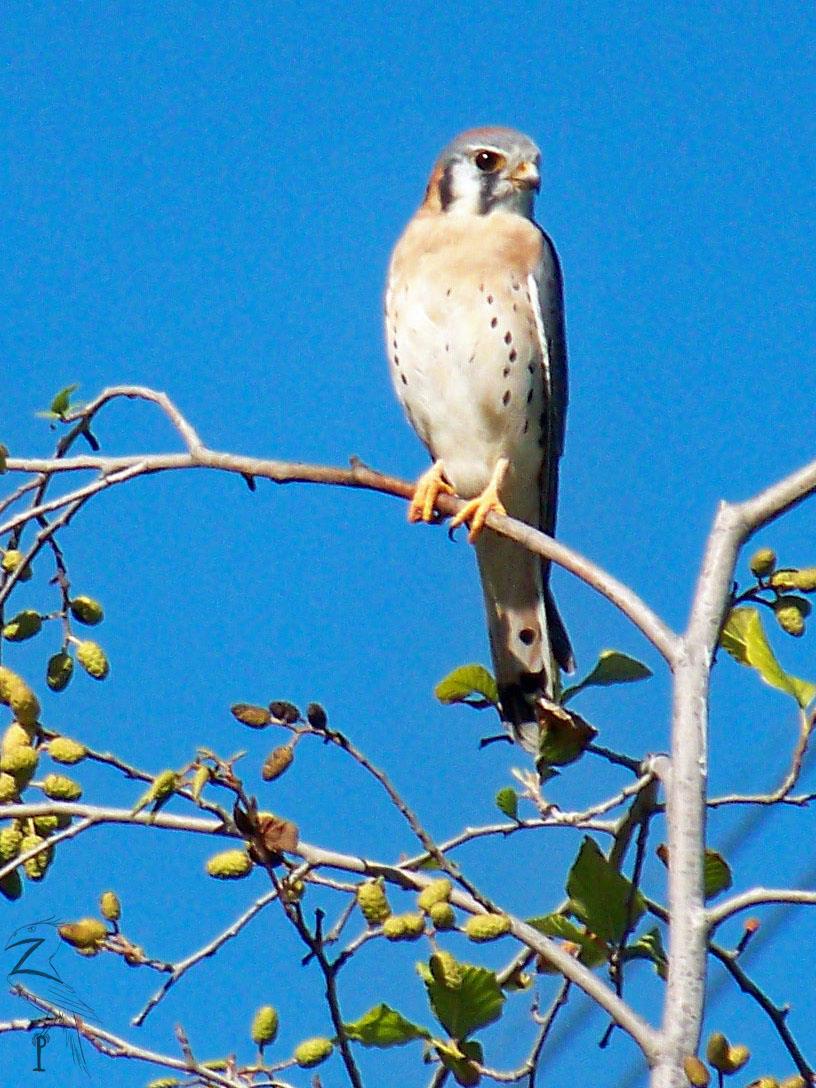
{"type": "Point", "coordinates": [528, 640]}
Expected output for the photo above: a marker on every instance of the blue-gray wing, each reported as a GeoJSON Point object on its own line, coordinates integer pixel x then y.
{"type": "Point", "coordinates": [552, 333]}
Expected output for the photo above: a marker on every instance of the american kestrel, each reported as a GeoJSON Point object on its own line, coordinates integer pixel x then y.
{"type": "Point", "coordinates": [475, 330]}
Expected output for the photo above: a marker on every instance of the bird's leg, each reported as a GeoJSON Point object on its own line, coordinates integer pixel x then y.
{"type": "Point", "coordinates": [476, 510]}
{"type": "Point", "coordinates": [429, 486]}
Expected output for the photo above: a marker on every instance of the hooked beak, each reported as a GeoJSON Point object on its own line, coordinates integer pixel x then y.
{"type": "Point", "coordinates": [526, 176]}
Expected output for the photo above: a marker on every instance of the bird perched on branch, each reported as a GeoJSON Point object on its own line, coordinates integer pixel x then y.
{"type": "Point", "coordinates": [476, 341]}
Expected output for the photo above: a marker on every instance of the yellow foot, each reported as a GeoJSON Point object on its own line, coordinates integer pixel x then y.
{"type": "Point", "coordinates": [429, 486]}
{"type": "Point", "coordinates": [475, 512]}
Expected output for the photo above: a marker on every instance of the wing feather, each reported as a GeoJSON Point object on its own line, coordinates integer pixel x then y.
{"type": "Point", "coordinates": [546, 289]}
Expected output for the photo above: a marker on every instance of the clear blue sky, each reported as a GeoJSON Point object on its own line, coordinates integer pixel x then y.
{"type": "Point", "coordinates": [205, 203]}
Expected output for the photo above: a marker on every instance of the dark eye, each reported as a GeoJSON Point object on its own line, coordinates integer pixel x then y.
{"type": "Point", "coordinates": [489, 161]}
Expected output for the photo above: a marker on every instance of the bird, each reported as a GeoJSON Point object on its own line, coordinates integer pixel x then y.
{"type": "Point", "coordinates": [475, 332]}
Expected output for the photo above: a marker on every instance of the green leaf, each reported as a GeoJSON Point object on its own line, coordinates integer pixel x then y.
{"type": "Point", "coordinates": [649, 946]}
{"type": "Point", "coordinates": [592, 954]}
{"type": "Point", "coordinates": [383, 1026]}
{"type": "Point", "coordinates": [716, 874]}
{"type": "Point", "coordinates": [468, 680]}
{"type": "Point", "coordinates": [600, 896]}
{"type": "Point", "coordinates": [507, 802]}
{"type": "Point", "coordinates": [429, 864]}
{"type": "Point", "coordinates": [477, 1001]}
{"type": "Point", "coordinates": [744, 638]}
{"type": "Point", "coordinates": [564, 735]}
{"type": "Point", "coordinates": [556, 925]}
{"type": "Point", "coordinates": [62, 401]}
{"type": "Point", "coordinates": [458, 1060]}
{"type": "Point", "coordinates": [612, 667]}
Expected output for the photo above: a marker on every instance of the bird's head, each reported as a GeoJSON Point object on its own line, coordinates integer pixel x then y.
{"type": "Point", "coordinates": [485, 170]}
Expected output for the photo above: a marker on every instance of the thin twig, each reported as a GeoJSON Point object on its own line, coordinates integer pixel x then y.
{"type": "Point", "coordinates": [113, 1046]}
{"type": "Point", "coordinates": [776, 1014]}
{"type": "Point", "coordinates": [183, 966]}
{"type": "Point", "coordinates": [117, 469]}
{"type": "Point", "coordinates": [788, 783]}
{"type": "Point", "coordinates": [410, 817]}
{"type": "Point", "coordinates": [314, 942]}
{"type": "Point", "coordinates": [754, 898]}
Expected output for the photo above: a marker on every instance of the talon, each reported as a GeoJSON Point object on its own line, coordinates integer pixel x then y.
{"type": "Point", "coordinates": [429, 487]}
{"type": "Point", "coordinates": [475, 512]}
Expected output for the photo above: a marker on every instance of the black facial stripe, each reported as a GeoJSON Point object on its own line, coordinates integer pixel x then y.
{"type": "Point", "coordinates": [487, 192]}
{"type": "Point", "coordinates": [446, 187]}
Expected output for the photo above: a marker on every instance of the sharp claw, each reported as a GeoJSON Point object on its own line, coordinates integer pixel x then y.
{"type": "Point", "coordinates": [429, 487]}
{"type": "Point", "coordinates": [475, 512]}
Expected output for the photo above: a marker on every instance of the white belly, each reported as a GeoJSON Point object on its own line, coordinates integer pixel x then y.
{"type": "Point", "coordinates": [467, 367]}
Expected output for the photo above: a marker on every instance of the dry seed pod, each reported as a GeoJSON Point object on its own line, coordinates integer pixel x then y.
{"type": "Point", "coordinates": [316, 716]}
{"type": "Point", "coordinates": [248, 714]}
{"type": "Point", "coordinates": [277, 762]}
{"type": "Point", "coordinates": [283, 712]}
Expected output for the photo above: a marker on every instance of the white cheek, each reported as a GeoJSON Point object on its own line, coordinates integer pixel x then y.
{"type": "Point", "coordinates": [467, 187]}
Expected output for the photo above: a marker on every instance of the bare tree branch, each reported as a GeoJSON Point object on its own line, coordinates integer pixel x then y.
{"type": "Point", "coordinates": [115, 470]}
{"type": "Point", "coordinates": [113, 1046]}
{"type": "Point", "coordinates": [788, 783]}
{"type": "Point", "coordinates": [754, 898]}
{"type": "Point", "coordinates": [733, 525]}
{"type": "Point", "coordinates": [776, 1014]}
{"type": "Point", "coordinates": [183, 966]}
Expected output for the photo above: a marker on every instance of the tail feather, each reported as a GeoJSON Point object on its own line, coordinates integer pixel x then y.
{"type": "Point", "coordinates": [528, 640]}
